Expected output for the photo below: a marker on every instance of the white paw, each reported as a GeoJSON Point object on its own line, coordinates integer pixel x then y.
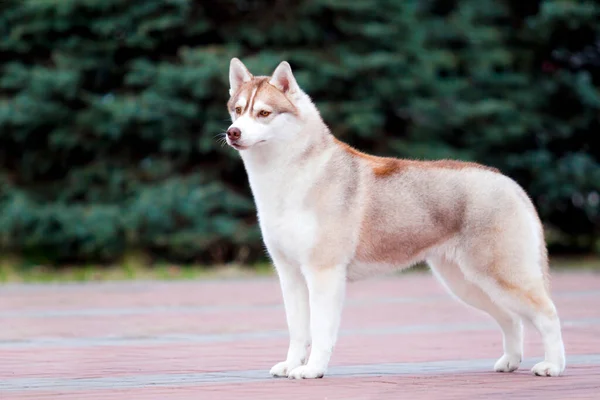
{"type": "Point", "coordinates": [546, 368]}
{"type": "Point", "coordinates": [306, 372]}
{"type": "Point", "coordinates": [283, 368]}
{"type": "Point", "coordinates": [507, 363]}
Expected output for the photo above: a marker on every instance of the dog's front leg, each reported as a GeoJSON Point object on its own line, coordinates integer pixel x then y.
{"type": "Point", "coordinates": [326, 287]}
{"type": "Point", "coordinates": [295, 300]}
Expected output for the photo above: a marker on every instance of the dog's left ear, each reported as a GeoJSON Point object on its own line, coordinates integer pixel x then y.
{"type": "Point", "coordinates": [283, 78]}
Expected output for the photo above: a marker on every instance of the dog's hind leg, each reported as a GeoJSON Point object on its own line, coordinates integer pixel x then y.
{"type": "Point", "coordinates": [531, 301]}
{"type": "Point", "coordinates": [450, 274]}
{"type": "Point", "coordinates": [512, 279]}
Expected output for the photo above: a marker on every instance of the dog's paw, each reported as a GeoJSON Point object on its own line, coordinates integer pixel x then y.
{"type": "Point", "coordinates": [507, 363]}
{"type": "Point", "coordinates": [283, 368]}
{"type": "Point", "coordinates": [306, 372]}
{"type": "Point", "coordinates": [546, 368]}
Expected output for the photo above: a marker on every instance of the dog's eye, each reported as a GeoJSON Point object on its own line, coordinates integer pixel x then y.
{"type": "Point", "coordinates": [238, 110]}
{"type": "Point", "coordinates": [264, 113]}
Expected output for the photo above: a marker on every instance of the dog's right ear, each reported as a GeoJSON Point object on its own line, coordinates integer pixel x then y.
{"type": "Point", "coordinates": [238, 74]}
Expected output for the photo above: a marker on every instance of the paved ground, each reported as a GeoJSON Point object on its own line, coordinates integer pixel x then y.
{"type": "Point", "coordinates": [402, 337]}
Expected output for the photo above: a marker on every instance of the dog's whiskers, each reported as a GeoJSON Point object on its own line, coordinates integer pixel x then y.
{"type": "Point", "coordinates": [221, 140]}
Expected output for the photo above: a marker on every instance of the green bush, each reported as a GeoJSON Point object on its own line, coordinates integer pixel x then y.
{"type": "Point", "coordinates": [109, 110]}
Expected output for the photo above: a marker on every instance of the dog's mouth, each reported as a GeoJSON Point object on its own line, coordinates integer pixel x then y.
{"type": "Point", "coordinates": [238, 146]}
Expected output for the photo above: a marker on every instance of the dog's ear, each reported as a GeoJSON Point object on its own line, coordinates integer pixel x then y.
{"type": "Point", "coordinates": [283, 78]}
{"type": "Point", "coordinates": [238, 74]}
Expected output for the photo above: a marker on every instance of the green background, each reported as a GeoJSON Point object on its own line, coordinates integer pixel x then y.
{"type": "Point", "coordinates": [110, 109]}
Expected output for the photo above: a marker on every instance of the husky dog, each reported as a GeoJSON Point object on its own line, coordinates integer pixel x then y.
{"type": "Point", "coordinates": [330, 214]}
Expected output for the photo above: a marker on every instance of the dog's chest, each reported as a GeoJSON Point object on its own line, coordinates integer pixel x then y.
{"type": "Point", "coordinates": [289, 229]}
{"type": "Point", "coordinates": [287, 219]}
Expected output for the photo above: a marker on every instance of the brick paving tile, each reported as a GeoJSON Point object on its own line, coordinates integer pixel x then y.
{"type": "Point", "coordinates": [217, 340]}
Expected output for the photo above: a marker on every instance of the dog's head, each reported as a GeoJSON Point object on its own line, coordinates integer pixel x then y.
{"type": "Point", "coordinates": [263, 109]}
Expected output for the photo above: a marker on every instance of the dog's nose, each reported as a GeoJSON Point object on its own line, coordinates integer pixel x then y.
{"type": "Point", "coordinates": [234, 133]}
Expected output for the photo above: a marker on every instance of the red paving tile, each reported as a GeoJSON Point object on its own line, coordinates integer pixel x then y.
{"type": "Point", "coordinates": [136, 322]}
{"type": "Point", "coordinates": [93, 361]}
{"type": "Point", "coordinates": [408, 319]}
{"type": "Point", "coordinates": [246, 292]}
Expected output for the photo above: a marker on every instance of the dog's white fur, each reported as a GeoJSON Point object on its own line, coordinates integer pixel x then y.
{"type": "Point", "coordinates": [329, 213]}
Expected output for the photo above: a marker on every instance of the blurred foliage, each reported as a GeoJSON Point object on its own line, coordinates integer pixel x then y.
{"type": "Point", "coordinates": [109, 110]}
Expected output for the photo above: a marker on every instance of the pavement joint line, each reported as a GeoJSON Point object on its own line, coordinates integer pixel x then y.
{"type": "Point", "coordinates": [143, 284]}
{"type": "Point", "coordinates": [250, 376]}
{"type": "Point", "coordinates": [123, 311]}
{"type": "Point", "coordinates": [42, 342]}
